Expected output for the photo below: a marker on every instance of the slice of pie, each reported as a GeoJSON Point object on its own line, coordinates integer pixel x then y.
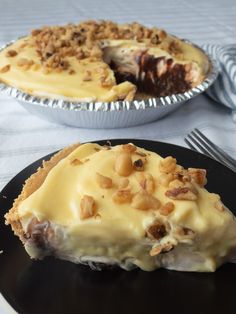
{"type": "Point", "coordinates": [124, 206]}
{"type": "Point", "coordinates": [102, 61]}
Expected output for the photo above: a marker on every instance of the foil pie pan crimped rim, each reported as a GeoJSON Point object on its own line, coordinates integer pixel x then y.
{"type": "Point", "coordinates": [114, 107]}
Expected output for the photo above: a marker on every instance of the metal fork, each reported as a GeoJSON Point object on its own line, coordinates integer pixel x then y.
{"type": "Point", "coordinates": [197, 141]}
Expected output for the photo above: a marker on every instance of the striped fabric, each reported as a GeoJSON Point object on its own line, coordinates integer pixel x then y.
{"type": "Point", "coordinates": [25, 138]}
{"type": "Point", "coordinates": [224, 89]}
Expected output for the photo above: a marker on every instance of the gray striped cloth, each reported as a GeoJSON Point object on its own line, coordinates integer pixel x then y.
{"type": "Point", "coordinates": [224, 89]}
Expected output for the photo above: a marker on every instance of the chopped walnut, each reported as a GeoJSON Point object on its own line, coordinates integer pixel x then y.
{"type": "Point", "coordinates": [198, 176]}
{"type": "Point", "coordinates": [76, 162]}
{"type": "Point", "coordinates": [103, 182]}
{"type": "Point", "coordinates": [167, 208]}
{"type": "Point", "coordinates": [145, 201]}
{"type": "Point", "coordinates": [5, 69]}
{"type": "Point", "coordinates": [35, 32]}
{"type": "Point", "coordinates": [123, 164]}
{"type": "Point", "coordinates": [87, 207]}
{"type": "Point", "coordinates": [123, 183]}
{"type": "Point", "coordinates": [156, 231]}
{"type": "Point", "coordinates": [165, 179]}
{"type": "Point", "coordinates": [11, 53]}
{"type": "Point", "coordinates": [139, 165]}
{"type": "Point", "coordinates": [122, 196]}
{"type": "Point", "coordinates": [167, 165]}
{"type": "Point", "coordinates": [184, 233]}
{"type": "Point", "coordinates": [147, 183]}
{"type": "Point", "coordinates": [88, 76]}
{"type": "Point", "coordinates": [25, 63]}
{"type": "Point", "coordinates": [163, 248]}
{"type": "Point", "coordinates": [129, 148]}
{"type": "Point", "coordinates": [181, 193]}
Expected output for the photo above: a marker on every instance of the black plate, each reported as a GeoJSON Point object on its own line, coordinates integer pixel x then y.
{"type": "Point", "coordinates": [54, 286]}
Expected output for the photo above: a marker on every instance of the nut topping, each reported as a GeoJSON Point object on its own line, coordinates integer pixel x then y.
{"type": "Point", "coordinates": [129, 148]}
{"type": "Point", "coordinates": [156, 231]}
{"type": "Point", "coordinates": [122, 196]}
{"type": "Point", "coordinates": [11, 53]}
{"type": "Point", "coordinates": [5, 69]}
{"type": "Point", "coordinates": [123, 183]}
{"type": "Point", "coordinates": [147, 183]}
{"type": "Point", "coordinates": [145, 201]}
{"type": "Point", "coordinates": [87, 207]}
{"type": "Point", "coordinates": [168, 164]}
{"type": "Point", "coordinates": [167, 208]}
{"type": "Point", "coordinates": [25, 63]}
{"type": "Point", "coordinates": [184, 233]}
{"type": "Point", "coordinates": [198, 176]}
{"type": "Point", "coordinates": [165, 178]}
{"type": "Point", "coordinates": [139, 165]}
{"type": "Point", "coordinates": [76, 162]}
{"type": "Point", "coordinates": [164, 248]}
{"type": "Point", "coordinates": [88, 76]}
{"type": "Point", "coordinates": [181, 193]}
{"type": "Point", "coordinates": [103, 182]}
{"type": "Point", "coordinates": [123, 164]}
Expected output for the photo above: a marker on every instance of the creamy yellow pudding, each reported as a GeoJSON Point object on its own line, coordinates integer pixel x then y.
{"type": "Point", "coordinates": [101, 61]}
{"type": "Point", "coordinates": [126, 206]}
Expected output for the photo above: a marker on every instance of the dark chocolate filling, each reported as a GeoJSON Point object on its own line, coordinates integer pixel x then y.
{"type": "Point", "coordinates": [172, 81]}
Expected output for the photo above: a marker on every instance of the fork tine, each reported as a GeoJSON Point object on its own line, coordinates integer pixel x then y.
{"type": "Point", "coordinates": [190, 144]}
{"type": "Point", "coordinates": [197, 144]}
{"type": "Point", "coordinates": [217, 148]}
{"type": "Point", "coordinates": [211, 150]}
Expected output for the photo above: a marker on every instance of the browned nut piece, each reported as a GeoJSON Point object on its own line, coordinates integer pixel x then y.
{"type": "Point", "coordinates": [129, 148]}
{"type": "Point", "coordinates": [122, 196]}
{"type": "Point", "coordinates": [164, 248]}
{"type": "Point", "coordinates": [25, 63]}
{"type": "Point", "coordinates": [87, 207]}
{"type": "Point", "coordinates": [76, 162]}
{"type": "Point", "coordinates": [123, 183]}
{"type": "Point", "coordinates": [88, 76]}
{"type": "Point", "coordinates": [123, 164]}
{"type": "Point", "coordinates": [165, 178]}
{"type": "Point", "coordinates": [198, 176]}
{"type": "Point", "coordinates": [167, 208]}
{"type": "Point", "coordinates": [155, 250]}
{"type": "Point", "coordinates": [103, 182]}
{"type": "Point", "coordinates": [176, 183]}
{"type": "Point", "coordinates": [139, 165]}
{"type": "Point", "coordinates": [219, 206]}
{"type": "Point", "coordinates": [11, 53]}
{"type": "Point", "coordinates": [156, 231]}
{"type": "Point", "coordinates": [168, 164]}
{"type": "Point", "coordinates": [147, 183]}
{"type": "Point", "coordinates": [5, 69]}
{"type": "Point", "coordinates": [184, 233]}
{"type": "Point", "coordinates": [145, 201]}
{"type": "Point", "coordinates": [35, 32]}
{"type": "Point", "coordinates": [182, 193]}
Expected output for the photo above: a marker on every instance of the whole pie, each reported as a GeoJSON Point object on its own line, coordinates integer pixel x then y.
{"type": "Point", "coordinates": [124, 206]}
{"type": "Point", "coordinates": [102, 61]}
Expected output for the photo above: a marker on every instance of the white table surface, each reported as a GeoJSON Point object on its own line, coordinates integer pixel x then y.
{"type": "Point", "coordinates": [25, 138]}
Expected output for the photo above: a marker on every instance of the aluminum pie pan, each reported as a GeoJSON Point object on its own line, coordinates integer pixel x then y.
{"type": "Point", "coordinates": [116, 114]}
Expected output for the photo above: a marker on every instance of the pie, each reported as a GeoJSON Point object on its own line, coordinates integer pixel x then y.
{"type": "Point", "coordinates": [124, 206]}
{"type": "Point", "coordinates": [102, 61]}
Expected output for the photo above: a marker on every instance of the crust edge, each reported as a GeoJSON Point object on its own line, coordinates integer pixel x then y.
{"type": "Point", "coordinates": [30, 186]}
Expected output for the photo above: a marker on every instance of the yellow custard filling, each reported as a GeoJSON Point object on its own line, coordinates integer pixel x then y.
{"type": "Point", "coordinates": [118, 230]}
